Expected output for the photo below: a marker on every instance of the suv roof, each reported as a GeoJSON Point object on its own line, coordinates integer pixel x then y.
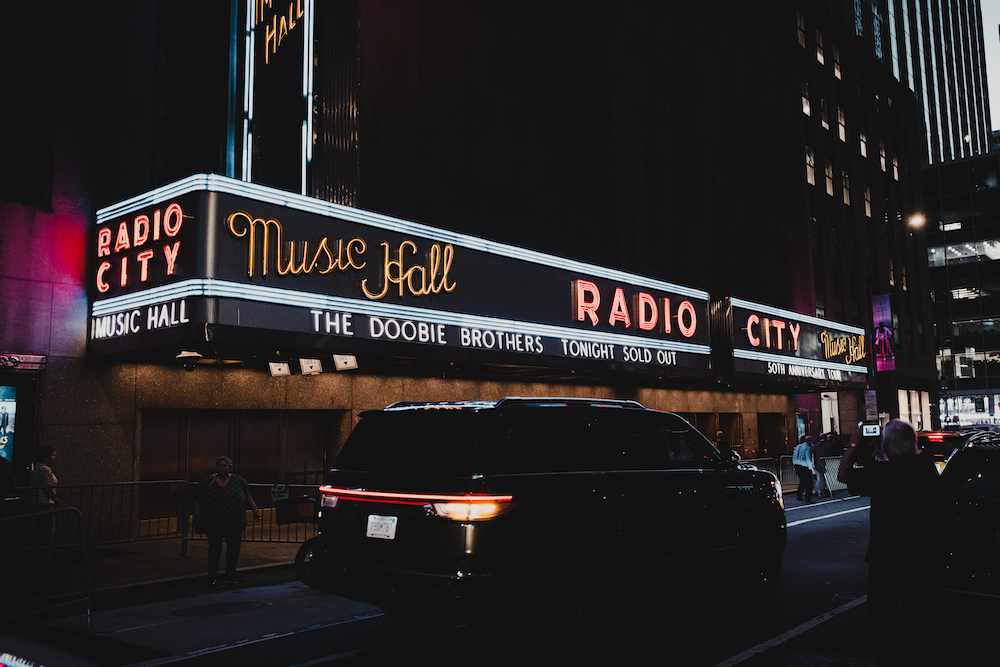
{"type": "Point", "coordinates": [518, 402]}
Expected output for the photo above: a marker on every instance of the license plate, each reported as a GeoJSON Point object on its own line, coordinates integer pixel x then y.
{"type": "Point", "coordinates": [382, 527]}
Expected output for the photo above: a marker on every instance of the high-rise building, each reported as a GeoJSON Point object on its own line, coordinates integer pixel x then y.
{"type": "Point", "coordinates": [963, 201]}
{"type": "Point", "coordinates": [936, 49]}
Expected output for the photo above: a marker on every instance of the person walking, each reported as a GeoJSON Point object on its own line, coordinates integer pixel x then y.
{"type": "Point", "coordinates": [903, 490]}
{"type": "Point", "coordinates": [802, 459]}
{"type": "Point", "coordinates": [720, 443]}
{"type": "Point", "coordinates": [220, 509]}
{"type": "Point", "coordinates": [43, 495]}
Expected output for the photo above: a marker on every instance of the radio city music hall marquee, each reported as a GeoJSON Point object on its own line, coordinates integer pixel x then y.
{"type": "Point", "coordinates": [784, 346]}
{"type": "Point", "coordinates": [211, 257]}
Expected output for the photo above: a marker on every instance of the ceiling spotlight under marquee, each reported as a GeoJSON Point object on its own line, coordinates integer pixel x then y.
{"type": "Point", "coordinates": [345, 362]}
{"type": "Point", "coordinates": [310, 366]}
{"type": "Point", "coordinates": [279, 368]}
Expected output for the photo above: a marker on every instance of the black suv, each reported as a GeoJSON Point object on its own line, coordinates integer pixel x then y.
{"type": "Point", "coordinates": [463, 503]}
{"type": "Point", "coordinates": [970, 527]}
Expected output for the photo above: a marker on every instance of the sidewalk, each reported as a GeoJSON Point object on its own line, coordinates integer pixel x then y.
{"type": "Point", "coordinates": [130, 564]}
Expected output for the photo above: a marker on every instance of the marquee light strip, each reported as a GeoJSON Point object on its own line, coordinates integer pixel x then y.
{"type": "Point", "coordinates": [231, 290]}
{"type": "Point", "coordinates": [781, 312]}
{"type": "Point", "coordinates": [221, 184]}
{"type": "Point", "coordinates": [796, 361]}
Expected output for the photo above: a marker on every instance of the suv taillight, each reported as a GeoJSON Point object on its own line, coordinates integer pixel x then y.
{"type": "Point", "coordinates": [457, 507]}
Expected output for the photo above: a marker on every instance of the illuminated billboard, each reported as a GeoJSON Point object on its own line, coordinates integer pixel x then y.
{"type": "Point", "coordinates": [765, 342]}
{"type": "Point", "coordinates": [885, 358]}
{"type": "Point", "coordinates": [211, 259]}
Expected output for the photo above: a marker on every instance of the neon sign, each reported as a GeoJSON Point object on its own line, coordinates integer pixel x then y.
{"type": "Point", "coordinates": [427, 277]}
{"type": "Point", "coordinates": [167, 223]}
{"type": "Point", "coordinates": [260, 262]}
{"type": "Point", "coordinates": [416, 279]}
{"type": "Point", "coordinates": [344, 260]}
{"type": "Point", "coordinates": [279, 28]}
{"type": "Point", "coordinates": [756, 328]}
{"type": "Point", "coordinates": [852, 347]}
{"type": "Point", "coordinates": [792, 347]}
{"type": "Point", "coordinates": [587, 302]}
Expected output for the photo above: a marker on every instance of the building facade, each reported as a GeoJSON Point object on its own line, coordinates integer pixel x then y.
{"type": "Point", "coordinates": [689, 206]}
{"type": "Point", "coordinates": [963, 200]}
{"type": "Point", "coordinates": [935, 49]}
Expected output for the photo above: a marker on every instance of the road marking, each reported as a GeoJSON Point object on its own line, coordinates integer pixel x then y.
{"type": "Point", "coordinates": [335, 657]}
{"type": "Point", "coordinates": [245, 642]}
{"type": "Point", "coordinates": [827, 516]}
{"type": "Point", "coordinates": [794, 632]}
{"type": "Point", "coordinates": [820, 503]}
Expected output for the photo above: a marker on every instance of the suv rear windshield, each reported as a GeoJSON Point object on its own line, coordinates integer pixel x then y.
{"type": "Point", "coordinates": [419, 441]}
{"type": "Point", "coordinates": [519, 440]}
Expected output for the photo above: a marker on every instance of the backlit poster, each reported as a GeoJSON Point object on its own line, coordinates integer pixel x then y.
{"type": "Point", "coordinates": [885, 358]}
{"type": "Point", "coordinates": [8, 409]}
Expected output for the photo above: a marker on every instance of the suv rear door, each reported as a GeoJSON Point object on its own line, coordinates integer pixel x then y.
{"type": "Point", "coordinates": [668, 477]}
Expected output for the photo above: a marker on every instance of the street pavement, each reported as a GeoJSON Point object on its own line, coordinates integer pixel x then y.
{"type": "Point", "coordinates": [148, 601]}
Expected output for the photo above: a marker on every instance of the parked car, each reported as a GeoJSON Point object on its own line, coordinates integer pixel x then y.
{"type": "Point", "coordinates": [457, 505]}
{"type": "Point", "coordinates": [939, 445]}
{"type": "Point", "coordinates": [970, 527]}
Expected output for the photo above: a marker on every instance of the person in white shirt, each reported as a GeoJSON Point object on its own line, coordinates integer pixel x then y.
{"type": "Point", "coordinates": [802, 459]}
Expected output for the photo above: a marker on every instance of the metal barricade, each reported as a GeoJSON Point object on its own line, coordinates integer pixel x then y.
{"type": "Point", "coordinates": [785, 472]}
{"type": "Point", "coordinates": [136, 511]}
{"type": "Point", "coordinates": [268, 529]}
{"type": "Point", "coordinates": [831, 465]}
{"type": "Point", "coordinates": [128, 511]}
{"type": "Point", "coordinates": [43, 556]}
{"type": "Point", "coordinates": [781, 467]}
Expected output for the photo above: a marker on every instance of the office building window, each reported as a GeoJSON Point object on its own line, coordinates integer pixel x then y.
{"type": "Point", "coordinates": [805, 98]}
{"type": "Point", "coordinates": [820, 58]}
{"type": "Point", "coordinates": [810, 167]}
{"type": "Point", "coordinates": [846, 180]}
{"type": "Point", "coordinates": [895, 168]}
{"type": "Point", "coordinates": [824, 118]}
{"type": "Point", "coordinates": [864, 142]}
{"type": "Point", "coordinates": [881, 155]}
{"type": "Point", "coordinates": [842, 123]}
{"type": "Point", "coordinates": [800, 23]}
{"type": "Point", "coordinates": [902, 275]}
{"type": "Point", "coordinates": [892, 278]}
{"type": "Point", "coordinates": [836, 63]}
{"type": "Point", "coordinates": [829, 178]}
{"type": "Point", "coordinates": [868, 201]}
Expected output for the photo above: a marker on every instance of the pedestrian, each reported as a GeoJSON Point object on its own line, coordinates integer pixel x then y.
{"type": "Point", "coordinates": [720, 444]}
{"type": "Point", "coordinates": [823, 449]}
{"type": "Point", "coordinates": [802, 459]}
{"type": "Point", "coordinates": [903, 490]}
{"type": "Point", "coordinates": [43, 495]}
{"type": "Point", "coordinates": [220, 509]}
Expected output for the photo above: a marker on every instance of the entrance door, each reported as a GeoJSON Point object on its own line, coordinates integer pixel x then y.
{"type": "Point", "coordinates": [267, 446]}
{"type": "Point", "coordinates": [830, 405]}
{"type": "Point", "coordinates": [772, 434]}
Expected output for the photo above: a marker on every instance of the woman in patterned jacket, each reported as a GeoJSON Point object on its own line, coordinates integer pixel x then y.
{"type": "Point", "coordinates": [220, 508]}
